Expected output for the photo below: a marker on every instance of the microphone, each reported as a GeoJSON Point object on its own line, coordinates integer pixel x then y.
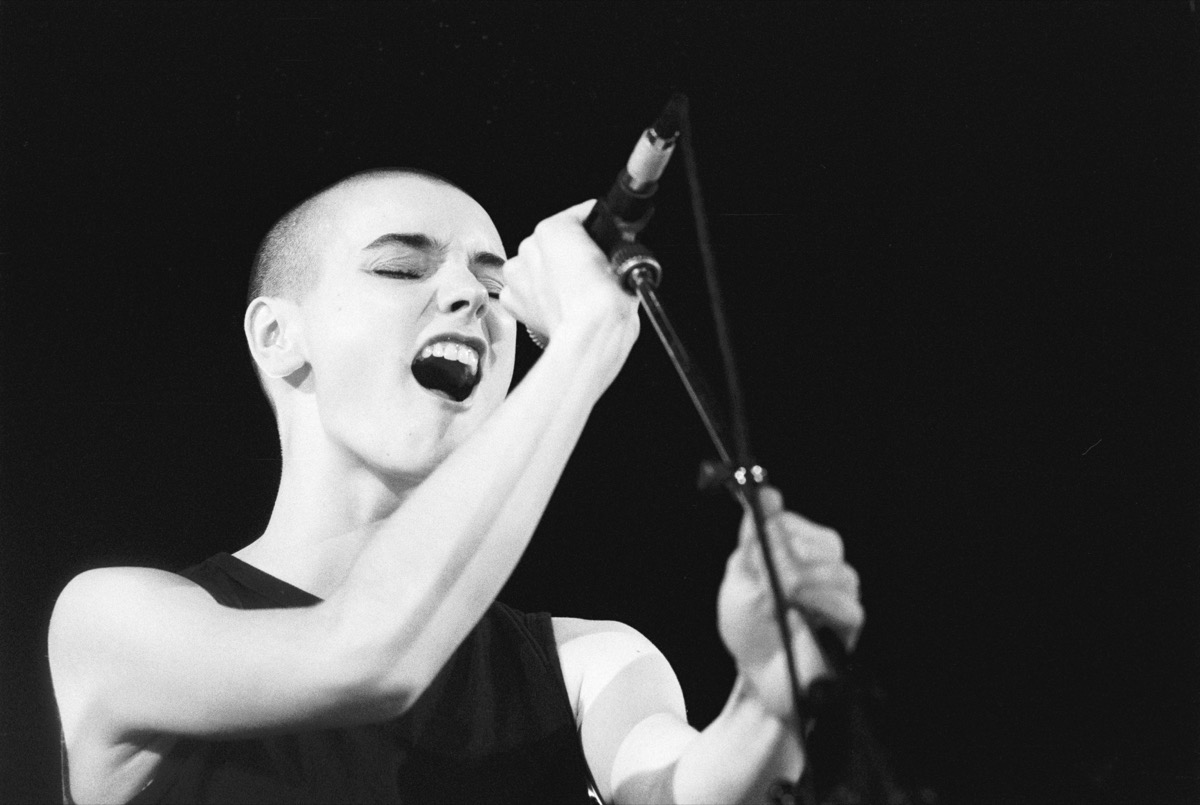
{"type": "Point", "coordinates": [619, 216]}
{"type": "Point", "coordinates": [625, 210]}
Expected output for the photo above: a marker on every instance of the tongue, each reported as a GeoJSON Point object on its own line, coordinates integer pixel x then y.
{"type": "Point", "coordinates": [452, 378]}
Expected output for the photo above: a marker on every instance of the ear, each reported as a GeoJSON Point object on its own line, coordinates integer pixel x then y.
{"type": "Point", "coordinates": [273, 330]}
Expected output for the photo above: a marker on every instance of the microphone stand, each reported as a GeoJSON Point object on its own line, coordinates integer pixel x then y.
{"type": "Point", "coordinates": [743, 478]}
{"type": "Point", "coordinates": [640, 272]}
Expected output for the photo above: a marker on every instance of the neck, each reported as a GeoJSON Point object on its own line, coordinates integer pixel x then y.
{"type": "Point", "coordinates": [326, 503]}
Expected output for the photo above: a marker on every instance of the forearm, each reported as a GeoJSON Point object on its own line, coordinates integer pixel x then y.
{"type": "Point", "coordinates": [442, 557]}
{"type": "Point", "coordinates": [523, 505]}
{"type": "Point", "coordinates": [739, 756]}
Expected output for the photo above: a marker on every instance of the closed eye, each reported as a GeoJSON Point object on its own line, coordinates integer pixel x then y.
{"type": "Point", "coordinates": [492, 286]}
{"type": "Point", "coordinates": [400, 273]}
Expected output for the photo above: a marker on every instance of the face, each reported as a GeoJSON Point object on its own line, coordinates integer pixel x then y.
{"type": "Point", "coordinates": [407, 267]}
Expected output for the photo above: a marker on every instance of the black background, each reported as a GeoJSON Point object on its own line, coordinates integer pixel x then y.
{"type": "Point", "coordinates": [958, 246]}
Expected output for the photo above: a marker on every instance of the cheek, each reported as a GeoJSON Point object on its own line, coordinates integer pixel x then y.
{"type": "Point", "coordinates": [502, 333]}
{"type": "Point", "coordinates": [505, 349]}
{"type": "Point", "coordinates": [358, 352]}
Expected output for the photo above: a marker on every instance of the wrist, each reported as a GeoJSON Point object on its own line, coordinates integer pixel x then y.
{"type": "Point", "coordinates": [596, 346]}
{"type": "Point", "coordinates": [751, 703]}
{"type": "Point", "coordinates": [741, 754]}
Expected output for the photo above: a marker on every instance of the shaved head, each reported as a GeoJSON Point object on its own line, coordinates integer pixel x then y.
{"type": "Point", "coordinates": [285, 265]}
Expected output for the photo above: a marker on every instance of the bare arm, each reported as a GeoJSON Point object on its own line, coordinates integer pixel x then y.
{"type": "Point", "coordinates": [635, 732]}
{"type": "Point", "coordinates": [508, 469]}
{"type": "Point", "coordinates": [630, 708]}
{"type": "Point", "coordinates": [142, 652]}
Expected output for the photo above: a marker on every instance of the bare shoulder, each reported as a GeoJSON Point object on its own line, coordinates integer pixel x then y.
{"type": "Point", "coordinates": [626, 697]}
{"type": "Point", "coordinates": [568, 629]}
{"type": "Point", "coordinates": [91, 612]}
{"type": "Point", "coordinates": [116, 586]}
{"type": "Point", "coordinates": [595, 653]}
{"type": "Point", "coordinates": [98, 597]}
{"type": "Point", "coordinates": [97, 610]}
{"type": "Point", "coordinates": [597, 645]}
{"type": "Point", "coordinates": [115, 583]}
{"type": "Point", "coordinates": [97, 601]}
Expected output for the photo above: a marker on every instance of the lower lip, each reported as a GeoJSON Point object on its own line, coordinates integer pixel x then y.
{"type": "Point", "coordinates": [450, 401]}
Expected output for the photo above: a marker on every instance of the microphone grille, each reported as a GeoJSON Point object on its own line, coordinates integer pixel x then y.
{"type": "Point", "coordinates": [670, 122]}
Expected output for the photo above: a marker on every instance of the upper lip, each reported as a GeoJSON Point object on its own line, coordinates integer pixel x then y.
{"type": "Point", "coordinates": [474, 342]}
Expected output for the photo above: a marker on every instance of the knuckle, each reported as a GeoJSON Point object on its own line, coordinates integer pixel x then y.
{"type": "Point", "coordinates": [802, 550]}
{"type": "Point", "coordinates": [827, 574]}
{"type": "Point", "coordinates": [772, 499]}
{"type": "Point", "coordinates": [852, 575]}
{"type": "Point", "coordinates": [790, 520]}
{"type": "Point", "coordinates": [834, 540]}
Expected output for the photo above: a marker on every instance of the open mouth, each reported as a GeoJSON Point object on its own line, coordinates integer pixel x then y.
{"type": "Point", "coordinates": [449, 366]}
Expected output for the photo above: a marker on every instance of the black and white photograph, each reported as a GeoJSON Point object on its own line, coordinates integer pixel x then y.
{"type": "Point", "coordinates": [600, 402]}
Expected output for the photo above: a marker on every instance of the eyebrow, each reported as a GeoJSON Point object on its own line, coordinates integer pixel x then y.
{"type": "Point", "coordinates": [431, 246]}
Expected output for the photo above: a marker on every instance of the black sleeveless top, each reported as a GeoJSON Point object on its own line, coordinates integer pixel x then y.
{"type": "Point", "coordinates": [494, 726]}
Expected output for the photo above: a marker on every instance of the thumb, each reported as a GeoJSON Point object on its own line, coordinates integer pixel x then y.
{"type": "Point", "coordinates": [512, 305]}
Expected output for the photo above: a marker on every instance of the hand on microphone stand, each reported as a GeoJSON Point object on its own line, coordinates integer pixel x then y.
{"type": "Point", "coordinates": [816, 581]}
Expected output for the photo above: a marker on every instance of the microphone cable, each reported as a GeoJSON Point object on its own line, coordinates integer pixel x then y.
{"type": "Point", "coordinates": [804, 707]}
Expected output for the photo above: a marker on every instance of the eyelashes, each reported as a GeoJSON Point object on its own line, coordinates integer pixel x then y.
{"type": "Point", "coordinates": [398, 273]}
{"type": "Point", "coordinates": [492, 287]}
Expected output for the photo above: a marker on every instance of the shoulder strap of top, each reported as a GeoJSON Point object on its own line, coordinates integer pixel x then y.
{"type": "Point", "coordinates": [538, 628]}
{"type": "Point", "coordinates": [234, 583]}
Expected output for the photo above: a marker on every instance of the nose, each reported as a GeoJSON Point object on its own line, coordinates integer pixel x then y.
{"type": "Point", "coordinates": [461, 291]}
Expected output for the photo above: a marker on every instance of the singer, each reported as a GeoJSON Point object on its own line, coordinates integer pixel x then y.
{"type": "Point", "coordinates": [355, 652]}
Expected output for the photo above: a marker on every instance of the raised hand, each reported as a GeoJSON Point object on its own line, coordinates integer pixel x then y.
{"type": "Point", "coordinates": [816, 581]}
{"type": "Point", "coordinates": [560, 278]}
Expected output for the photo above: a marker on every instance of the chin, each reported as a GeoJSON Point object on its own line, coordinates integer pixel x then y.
{"type": "Point", "coordinates": [409, 464]}
{"type": "Point", "coordinates": [403, 476]}
{"type": "Point", "coordinates": [433, 429]}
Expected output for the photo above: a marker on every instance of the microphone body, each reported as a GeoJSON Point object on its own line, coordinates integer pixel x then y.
{"type": "Point", "coordinates": [624, 211]}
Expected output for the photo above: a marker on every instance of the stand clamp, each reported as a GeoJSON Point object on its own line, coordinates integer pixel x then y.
{"type": "Point", "coordinates": [635, 266]}
{"type": "Point", "coordinates": [715, 474]}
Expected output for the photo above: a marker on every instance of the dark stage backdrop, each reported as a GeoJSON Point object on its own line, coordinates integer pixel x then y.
{"type": "Point", "coordinates": [958, 244]}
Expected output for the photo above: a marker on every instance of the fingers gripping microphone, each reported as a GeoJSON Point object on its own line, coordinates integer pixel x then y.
{"type": "Point", "coordinates": [616, 220]}
{"type": "Point", "coordinates": [618, 217]}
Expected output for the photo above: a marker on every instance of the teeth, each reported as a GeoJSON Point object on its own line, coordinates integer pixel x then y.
{"type": "Point", "coordinates": [453, 352]}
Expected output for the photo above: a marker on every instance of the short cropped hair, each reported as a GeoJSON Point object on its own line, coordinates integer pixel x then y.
{"type": "Point", "coordinates": [283, 265]}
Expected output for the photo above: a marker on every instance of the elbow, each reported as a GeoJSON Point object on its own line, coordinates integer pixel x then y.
{"type": "Point", "coordinates": [373, 701]}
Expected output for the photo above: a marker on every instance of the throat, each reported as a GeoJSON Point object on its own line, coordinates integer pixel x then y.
{"type": "Point", "coordinates": [329, 503]}
{"type": "Point", "coordinates": [317, 567]}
